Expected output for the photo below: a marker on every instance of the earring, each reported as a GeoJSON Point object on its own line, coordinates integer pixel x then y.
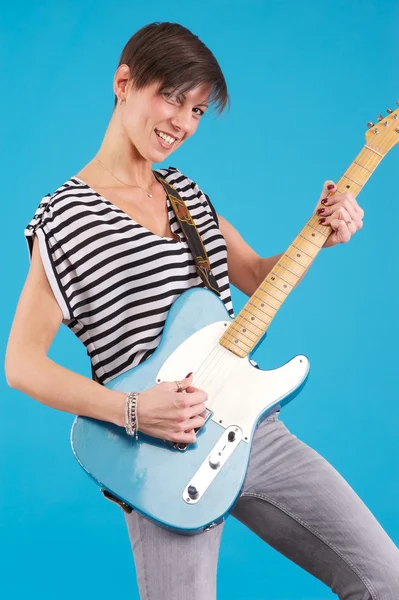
{"type": "Point", "coordinates": [121, 101]}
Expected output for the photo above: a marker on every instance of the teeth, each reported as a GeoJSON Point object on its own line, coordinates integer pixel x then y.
{"type": "Point", "coordinates": [166, 138]}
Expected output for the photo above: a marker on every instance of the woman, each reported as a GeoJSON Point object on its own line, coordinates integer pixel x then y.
{"type": "Point", "coordinates": [109, 259]}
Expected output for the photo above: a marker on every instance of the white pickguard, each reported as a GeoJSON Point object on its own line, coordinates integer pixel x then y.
{"type": "Point", "coordinates": [237, 392]}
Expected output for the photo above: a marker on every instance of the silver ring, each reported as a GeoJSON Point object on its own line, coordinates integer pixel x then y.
{"type": "Point", "coordinates": [179, 386]}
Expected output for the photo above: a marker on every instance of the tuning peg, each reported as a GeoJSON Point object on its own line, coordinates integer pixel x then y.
{"type": "Point", "coordinates": [380, 117]}
{"type": "Point", "coordinates": [370, 124]}
{"type": "Point", "coordinates": [389, 110]}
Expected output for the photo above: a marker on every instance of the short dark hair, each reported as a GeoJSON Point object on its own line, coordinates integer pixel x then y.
{"type": "Point", "coordinates": [174, 56]}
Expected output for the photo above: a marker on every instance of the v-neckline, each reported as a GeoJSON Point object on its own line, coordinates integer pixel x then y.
{"type": "Point", "coordinates": [115, 207]}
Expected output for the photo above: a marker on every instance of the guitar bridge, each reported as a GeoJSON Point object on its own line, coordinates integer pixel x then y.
{"type": "Point", "coordinates": [182, 445]}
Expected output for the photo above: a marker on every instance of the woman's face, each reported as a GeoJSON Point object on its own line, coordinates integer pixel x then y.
{"type": "Point", "coordinates": [158, 123]}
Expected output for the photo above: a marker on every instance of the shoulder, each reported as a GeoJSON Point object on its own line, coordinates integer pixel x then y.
{"type": "Point", "coordinates": [55, 206]}
{"type": "Point", "coordinates": [188, 188]}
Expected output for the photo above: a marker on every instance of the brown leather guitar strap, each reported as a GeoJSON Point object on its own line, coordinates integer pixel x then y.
{"type": "Point", "coordinates": [191, 232]}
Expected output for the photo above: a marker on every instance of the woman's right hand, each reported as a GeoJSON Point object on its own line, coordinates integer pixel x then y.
{"type": "Point", "coordinates": [165, 413]}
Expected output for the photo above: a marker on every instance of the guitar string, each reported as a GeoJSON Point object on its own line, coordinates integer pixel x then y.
{"type": "Point", "coordinates": [205, 373]}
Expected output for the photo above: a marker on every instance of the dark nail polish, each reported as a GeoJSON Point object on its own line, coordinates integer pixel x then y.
{"type": "Point", "coordinates": [321, 210]}
{"type": "Point", "coordinates": [330, 187]}
{"type": "Point", "coordinates": [321, 221]}
{"type": "Point", "coordinates": [189, 375]}
{"type": "Point", "coordinates": [324, 201]}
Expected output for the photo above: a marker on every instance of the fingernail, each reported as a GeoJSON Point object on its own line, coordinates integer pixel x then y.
{"type": "Point", "coordinates": [331, 186]}
{"type": "Point", "coordinates": [189, 375]}
{"type": "Point", "coordinates": [321, 221]}
{"type": "Point", "coordinates": [324, 201]}
{"type": "Point", "coordinates": [321, 210]}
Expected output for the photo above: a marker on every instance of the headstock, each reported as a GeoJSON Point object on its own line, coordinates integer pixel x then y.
{"type": "Point", "coordinates": [385, 134]}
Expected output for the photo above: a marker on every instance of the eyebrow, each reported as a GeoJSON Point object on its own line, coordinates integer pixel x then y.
{"type": "Point", "coordinates": [200, 104]}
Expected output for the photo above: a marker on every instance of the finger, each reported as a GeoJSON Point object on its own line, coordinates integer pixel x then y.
{"type": "Point", "coordinates": [196, 410]}
{"type": "Point", "coordinates": [187, 437]}
{"type": "Point", "coordinates": [345, 200]}
{"type": "Point", "coordinates": [337, 211]}
{"type": "Point", "coordinates": [184, 384]}
{"type": "Point", "coordinates": [190, 431]}
{"type": "Point", "coordinates": [342, 230]}
{"type": "Point", "coordinates": [341, 199]}
{"type": "Point", "coordinates": [329, 187]}
{"type": "Point", "coordinates": [196, 395]}
{"type": "Point", "coordinates": [349, 200]}
{"type": "Point", "coordinates": [340, 213]}
{"type": "Point", "coordinates": [355, 222]}
{"type": "Point", "coordinates": [339, 217]}
{"type": "Point", "coordinates": [194, 422]}
{"type": "Point", "coordinates": [344, 211]}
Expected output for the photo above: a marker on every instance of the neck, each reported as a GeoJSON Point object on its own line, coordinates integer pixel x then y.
{"type": "Point", "coordinates": [249, 327]}
{"type": "Point", "coordinates": [122, 158]}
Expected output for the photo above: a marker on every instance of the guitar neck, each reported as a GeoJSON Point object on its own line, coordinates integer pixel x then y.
{"type": "Point", "coordinates": [250, 325]}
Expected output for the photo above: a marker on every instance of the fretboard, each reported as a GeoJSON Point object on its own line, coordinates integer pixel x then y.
{"type": "Point", "coordinates": [250, 325]}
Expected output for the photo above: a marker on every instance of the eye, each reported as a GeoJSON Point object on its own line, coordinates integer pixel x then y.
{"type": "Point", "coordinates": [169, 97]}
{"type": "Point", "coordinates": [201, 112]}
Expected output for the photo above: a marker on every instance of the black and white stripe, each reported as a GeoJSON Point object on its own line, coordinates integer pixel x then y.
{"type": "Point", "coordinates": [114, 280]}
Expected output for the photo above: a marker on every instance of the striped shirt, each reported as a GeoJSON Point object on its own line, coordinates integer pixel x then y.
{"type": "Point", "coordinates": [115, 280]}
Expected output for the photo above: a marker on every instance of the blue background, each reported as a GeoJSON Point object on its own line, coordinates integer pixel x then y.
{"type": "Point", "coordinates": [304, 79]}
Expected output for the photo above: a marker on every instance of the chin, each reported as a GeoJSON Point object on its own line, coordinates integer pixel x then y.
{"type": "Point", "coordinates": [158, 157]}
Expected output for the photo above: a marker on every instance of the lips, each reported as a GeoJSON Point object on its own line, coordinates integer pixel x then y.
{"type": "Point", "coordinates": [163, 144]}
{"type": "Point", "coordinates": [166, 133]}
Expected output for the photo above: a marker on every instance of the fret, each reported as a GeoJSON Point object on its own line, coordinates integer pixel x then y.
{"type": "Point", "coordinates": [250, 323]}
{"type": "Point", "coordinates": [314, 223]}
{"type": "Point", "coordinates": [278, 280]}
{"type": "Point", "coordinates": [369, 158]}
{"type": "Point", "coordinates": [300, 258]}
{"type": "Point", "coordinates": [236, 341]}
{"type": "Point", "coordinates": [287, 275]}
{"type": "Point", "coordinates": [271, 301]}
{"type": "Point", "coordinates": [261, 302]}
{"type": "Point", "coordinates": [243, 332]}
{"type": "Point", "coordinates": [272, 291]}
{"type": "Point", "coordinates": [357, 174]}
{"type": "Point", "coordinates": [277, 288]}
{"type": "Point", "coordinates": [299, 245]}
{"type": "Point", "coordinates": [305, 246]}
{"type": "Point", "coordinates": [262, 305]}
{"type": "Point", "coordinates": [318, 239]}
{"type": "Point", "coordinates": [294, 268]}
{"type": "Point", "coordinates": [359, 185]}
{"type": "Point", "coordinates": [362, 166]}
{"type": "Point", "coordinates": [261, 312]}
{"type": "Point", "coordinates": [253, 318]}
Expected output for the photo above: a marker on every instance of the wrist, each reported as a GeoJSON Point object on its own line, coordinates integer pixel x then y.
{"type": "Point", "coordinates": [118, 416]}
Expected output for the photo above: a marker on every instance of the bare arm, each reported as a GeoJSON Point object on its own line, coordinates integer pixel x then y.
{"type": "Point", "coordinates": [28, 367]}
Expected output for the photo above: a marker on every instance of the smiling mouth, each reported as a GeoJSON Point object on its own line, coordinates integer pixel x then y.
{"type": "Point", "coordinates": [167, 139]}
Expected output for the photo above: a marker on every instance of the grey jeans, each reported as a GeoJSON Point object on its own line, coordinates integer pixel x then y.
{"type": "Point", "coordinates": [295, 501]}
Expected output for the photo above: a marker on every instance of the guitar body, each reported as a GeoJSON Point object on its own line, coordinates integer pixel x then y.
{"type": "Point", "coordinates": [153, 476]}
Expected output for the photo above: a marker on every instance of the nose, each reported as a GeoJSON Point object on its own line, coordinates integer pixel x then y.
{"type": "Point", "coordinates": [182, 120]}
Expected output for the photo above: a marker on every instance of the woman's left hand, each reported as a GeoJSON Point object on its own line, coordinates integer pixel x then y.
{"type": "Point", "coordinates": [341, 212]}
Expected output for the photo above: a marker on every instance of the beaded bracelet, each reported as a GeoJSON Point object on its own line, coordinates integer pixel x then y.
{"type": "Point", "coordinates": [131, 420]}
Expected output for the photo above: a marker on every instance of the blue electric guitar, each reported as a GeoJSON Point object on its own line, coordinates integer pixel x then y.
{"type": "Point", "coordinates": [191, 488]}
